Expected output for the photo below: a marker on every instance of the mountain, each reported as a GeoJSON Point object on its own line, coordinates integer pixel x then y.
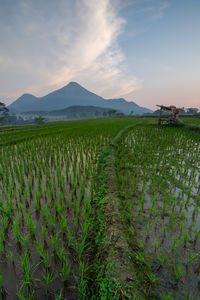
{"type": "Point", "coordinates": [23, 103]}
{"type": "Point", "coordinates": [70, 95]}
{"type": "Point", "coordinates": [70, 110]}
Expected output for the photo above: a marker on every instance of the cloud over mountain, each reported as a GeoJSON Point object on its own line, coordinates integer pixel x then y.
{"type": "Point", "coordinates": [58, 41]}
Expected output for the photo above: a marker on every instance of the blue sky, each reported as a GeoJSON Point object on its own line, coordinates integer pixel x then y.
{"type": "Point", "coordinates": [147, 51]}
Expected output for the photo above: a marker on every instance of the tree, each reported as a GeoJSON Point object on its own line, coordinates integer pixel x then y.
{"type": "Point", "coordinates": [192, 110]}
{"type": "Point", "coordinates": [4, 113]}
{"type": "Point", "coordinates": [96, 113]}
{"type": "Point", "coordinates": [182, 111]}
{"type": "Point", "coordinates": [112, 112]}
{"type": "Point", "coordinates": [39, 120]}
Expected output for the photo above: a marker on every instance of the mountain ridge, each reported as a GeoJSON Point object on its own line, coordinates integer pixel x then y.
{"type": "Point", "coordinates": [70, 95]}
{"type": "Point", "coordinates": [71, 109]}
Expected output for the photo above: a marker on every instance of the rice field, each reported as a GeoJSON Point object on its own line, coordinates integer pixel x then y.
{"type": "Point", "coordinates": [193, 121]}
{"type": "Point", "coordinates": [158, 174]}
{"type": "Point", "coordinates": [46, 191]}
{"type": "Point", "coordinates": [50, 242]}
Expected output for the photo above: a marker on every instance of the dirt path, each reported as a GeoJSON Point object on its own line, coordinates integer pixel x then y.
{"type": "Point", "coordinates": [122, 271]}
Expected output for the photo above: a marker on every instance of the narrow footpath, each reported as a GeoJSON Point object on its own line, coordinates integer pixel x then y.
{"type": "Point", "coordinates": [117, 270]}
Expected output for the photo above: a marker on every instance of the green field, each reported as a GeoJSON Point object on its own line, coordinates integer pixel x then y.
{"type": "Point", "coordinates": [100, 209]}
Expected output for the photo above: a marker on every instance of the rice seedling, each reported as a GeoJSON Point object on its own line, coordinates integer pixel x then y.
{"type": "Point", "coordinates": [59, 297]}
{"type": "Point", "coordinates": [147, 228]}
{"type": "Point", "coordinates": [44, 232]}
{"type": "Point", "coordinates": [62, 254]}
{"type": "Point", "coordinates": [174, 204]}
{"type": "Point", "coordinates": [178, 272]}
{"type": "Point", "coordinates": [46, 260]}
{"type": "Point", "coordinates": [198, 197]}
{"type": "Point", "coordinates": [36, 204]}
{"type": "Point", "coordinates": [65, 271]}
{"type": "Point", "coordinates": [16, 229]}
{"type": "Point", "coordinates": [195, 211]}
{"type": "Point", "coordinates": [82, 280]}
{"type": "Point", "coordinates": [185, 239]}
{"type": "Point", "coordinates": [142, 201]}
{"type": "Point", "coordinates": [193, 258]}
{"type": "Point", "coordinates": [181, 227]}
{"type": "Point", "coordinates": [164, 206]}
{"type": "Point", "coordinates": [152, 210]}
{"type": "Point", "coordinates": [31, 224]}
{"type": "Point", "coordinates": [20, 294]}
{"type": "Point", "coordinates": [26, 267]}
{"type": "Point", "coordinates": [52, 222]}
{"type": "Point", "coordinates": [49, 278]}
{"type": "Point", "coordinates": [171, 216]}
{"type": "Point", "coordinates": [54, 241]}
{"type": "Point", "coordinates": [175, 243]}
{"type": "Point", "coordinates": [189, 296]}
{"type": "Point", "coordinates": [192, 224]}
{"type": "Point", "coordinates": [151, 278]}
{"type": "Point", "coordinates": [196, 235]}
{"type": "Point", "coordinates": [69, 237]}
{"type": "Point", "coordinates": [20, 207]}
{"type": "Point", "coordinates": [25, 240]}
{"type": "Point", "coordinates": [40, 249]}
{"type": "Point", "coordinates": [182, 215]}
{"type": "Point", "coordinates": [156, 221]}
{"type": "Point", "coordinates": [155, 245]}
{"type": "Point", "coordinates": [11, 257]}
{"type": "Point", "coordinates": [4, 222]}
{"type": "Point", "coordinates": [164, 231]}
{"type": "Point", "coordinates": [161, 259]}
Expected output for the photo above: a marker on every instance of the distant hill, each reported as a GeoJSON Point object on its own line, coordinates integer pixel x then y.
{"type": "Point", "coordinates": [70, 95]}
{"type": "Point", "coordinates": [74, 112]}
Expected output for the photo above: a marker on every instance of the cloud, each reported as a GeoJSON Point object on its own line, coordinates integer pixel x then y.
{"type": "Point", "coordinates": [159, 11]}
{"type": "Point", "coordinates": [150, 10]}
{"type": "Point", "coordinates": [49, 43]}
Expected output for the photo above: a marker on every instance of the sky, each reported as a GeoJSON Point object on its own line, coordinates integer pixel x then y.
{"type": "Point", "coordinates": [146, 51]}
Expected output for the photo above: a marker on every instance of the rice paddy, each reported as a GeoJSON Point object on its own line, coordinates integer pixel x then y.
{"type": "Point", "coordinates": [47, 187]}
{"type": "Point", "coordinates": [158, 171]}
{"type": "Point", "coordinates": [49, 207]}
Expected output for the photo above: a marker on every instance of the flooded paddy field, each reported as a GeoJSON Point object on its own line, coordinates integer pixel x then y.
{"type": "Point", "coordinates": [47, 185]}
{"type": "Point", "coordinates": [158, 176]}
{"type": "Point", "coordinates": [54, 228]}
